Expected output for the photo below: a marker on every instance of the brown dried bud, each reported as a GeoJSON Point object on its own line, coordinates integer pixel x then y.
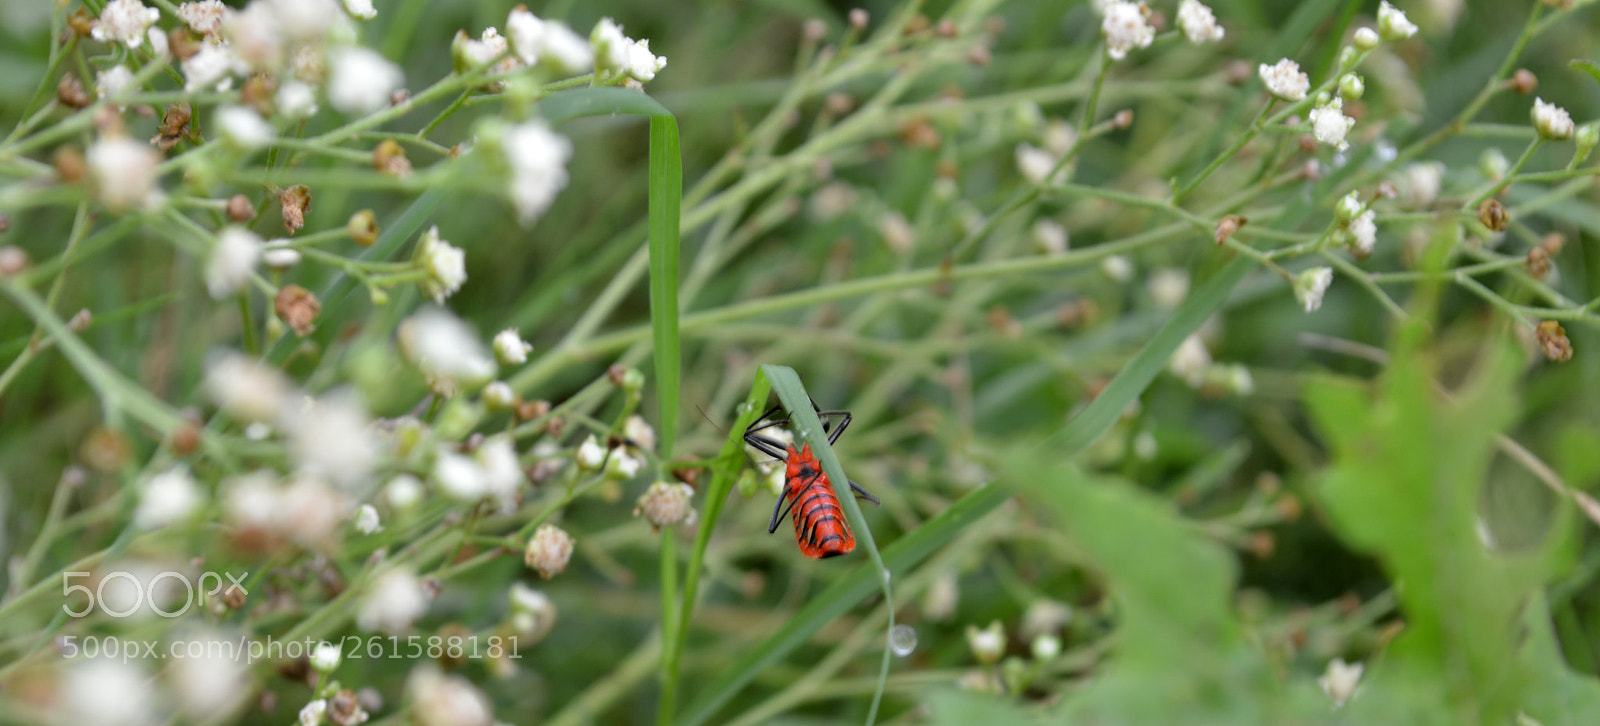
{"type": "Point", "coordinates": [1001, 321]}
{"type": "Point", "coordinates": [234, 597]}
{"type": "Point", "coordinates": [70, 92]}
{"type": "Point", "coordinates": [108, 121]}
{"type": "Point", "coordinates": [1553, 341]}
{"type": "Point", "coordinates": [399, 96]}
{"type": "Point", "coordinates": [947, 28]}
{"type": "Point", "coordinates": [1228, 226]}
{"type": "Point", "coordinates": [1552, 243]}
{"type": "Point", "coordinates": [980, 56]}
{"type": "Point", "coordinates": [814, 30]}
{"type": "Point", "coordinates": [555, 426]}
{"type": "Point", "coordinates": [240, 209]}
{"type": "Point", "coordinates": [917, 24]}
{"type": "Point", "coordinates": [1290, 508]}
{"type": "Point", "coordinates": [81, 22]}
{"type": "Point", "coordinates": [13, 260]}
{"type": "Point", "coordinates": [1308, 144]}
{"type": "Point", "coordinates": [919, 134]}
{"type": "Point", "coordinates": [858, 18]}
{"type": "Point", "coordinates": [390, 158]}
{"type": "Point", "coordinates": [1538, 263]}
{"type": "Point", "coordinates": [363, 228]}
{"type": "Point", "coordinates": [1123, 119]}
{"type": "Point", "coordinates": [181, 44]}
{"type": "Point", "coordinates": [1311, 170]}
{"type": "Point", "coordinates": [298, 307]}
{"type": "Point", "coordinates": [105, 450]}
{"type": "Point", "coordinates": [344, 709]}
{"type": "Point", "coordinates": [947, 169]}
{"type": "Point", "coordinates": [258, 92]}
{"type": "Point", "coordinates": [530, 410]}
{"type": "Point", "coordinates": [1387, 190]}
{"type": "Point", "coordinates": [185, 439]}
{"type": "Point", "coordinates": [1237, 72]}
{"type": "Point", "coordinates": [69, 163]}
{"type": "Point", "coordinates": [1493, 215]}
{"type": "Point", "coordinates": [688, 475]}
{"type": "Point", "coordinates": [174, 126]}
{"type": "Point", "coordinates": [994, 25]}
{"type": "Point", "coordinates": [295, 202]}
{"type": "Point", "coordinates": [1262, 543]}
{"type": "Point", "coordinates": [5, 223]}
{"type": "Point", "coordinates": [616, 373]}
{"type": "Point", "coordinates": [1523, 81]}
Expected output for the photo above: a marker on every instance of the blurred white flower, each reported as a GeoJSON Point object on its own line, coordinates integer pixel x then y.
{"type": "Point", "coordinates": [243, 127]}
{"type": "Point", "coordinates": [403, 492]}
{"type": "Point", "coordinates": [1365, 38]}
{"type": "Point", "coordinates": [1035, 164]}
{"type": "Point", "coordinates": [233, 258]}
{"type": "Point", "coordinates": [393, 602]}
{"type": "Point", "coordinates": [473, 54]}
{"type": "Point", "coordinates": [305, 20]}
{"type": "Point", "coordinates": [1310, 285]}
{"type": "Point", "coordinates": [111, 82]}
{"type": "Point", "coordinates": [532, 612]}
{"type": "Point", "coordinates": [210, 679]}
{"type": "Point", "coordinates": [443, 700]}
{"type": "Point", "coordinates": [1198, 22]}
{"type": "Point", "coordinates": [1049, 237]}
{"type": "Point", "coordinates": [244, 387]}
{"type": "Point", "coordinates": [1190, 361]}
{"type": "Point", "coordinates": [551, 42]}
{"type": "Point", "coordinates": [123, 171]}
{"type": "Point", "coordinates": [325, 658]}
{"type": "Point", "coordinates": [590, 454]}
{"type": "Point", "coordinates": [498, 396]}
{"type": "Point", "coordinates": [209, 68]}
{"type": "Point", "coordinates": [168, 497]}
{"type": "Point", "coordinates": [616, 54]}
{"type": "Point", "coordinates": [366, 519]}
{"type": "Point", "coordinates": [361, 9]}
{"type": "Point", "coordinates": [278, 255]}
{"type": "Point", "coordinates": [360, 80]}
{"type": "Point", "coordinates": [1393, 24]}
{"type": "Point", "coordinates": [1168, 286]}
{"type": "Point", "coordinates": [314, 713]}
{"type": "Point", "coordinates": [255, 36]}
{"type": "Point", "coordinates": [309, 512]}
{"type": "Point", "coordinates": [1285, 80]}
{"type": "Point", "coordinates": [106, 692]}
{"type": "Point", "coordinates": [204, 17]}
{"type": "Point", "coordinates": [1341, 678]}
{"type": "Point", "coordinates": [447, 351]}
{"type": "Point", "coordinates": [1551, 121]}
{"type": "Point", "coordinates": [445, 264]}
{"type": "Point", "coordinates": [1364, 230]}
{"type": "Point", "coordinates": [538, 160]}
{"type": "Point", "coordinates": [1329, 124]}
{"type": "Point", "coordinates": [333, 437]}
{"type": "Point", "coordinates": [1117, 267]}
{"type": "Point", "coordinates": [510, 349]}
{"type": "Point", "coordinates": [125, 22]}
{"type": "Point", "coordinates": [1419, 184]}
{"type": "Point", "coordinates": [1126, 28]}
{"type": "Point", "coordinates": [987, 644]}
{"type": "Point", "coordinates": [896, 231]}
{"type": "Point", "coordinates": [939, 602]}
{"type": "Point", "coordinates": [635, 429]}
{"type": "Point", "coordinates": [1045, 617]}
{"type": "Point", "coordinates": [296, 99]}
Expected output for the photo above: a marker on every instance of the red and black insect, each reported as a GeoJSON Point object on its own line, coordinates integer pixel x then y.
{"type": "Point", "coordinates": [819, 523]}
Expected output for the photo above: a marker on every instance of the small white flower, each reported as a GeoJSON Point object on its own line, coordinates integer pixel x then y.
{"type": "Point", "coordinates": [1168, 286]}
{"type": "Point", "coordinates": [158, 42]}
{"type": "Point", "coordinates": [112, 82]}
{"type": "Point", "coordinates": [233, 259]}
{"type": "Point", "coordinates": [510, 349]}
{"type": "Point", "coordinates": [590, 454]}
{"type": "Point", "coordinates": [1190, 361]}
{"type": "Point", "coordinates": [666, 504]}
{"type": "Point", "coordinates": [447, 350]}
{"type": "Point", "coordinates": [538, 160]}
{"type": "Point", "coordinates": [360, 80]}
{"type": "Point", "coordinates": [209, 68]}
{"type": "Point", "coordinates": [314, 713]}
{"type": "Point", "coordinates": [502, 470]}
{"type": "Point", "coordinates": [1126, 28]}
{"type": "Point", "coordinates": [403, 492]}
{"type": "Point", "coordinates": [333, 437]}
{"type": "Point", "coordinates": [498, 396]}
{"type": "Point", "coordinates": [897, 232]}
{"type": "Point", "coordinates": [636, 430]}
{"type": "Point", "coordinates": [125, 22]}
{"type": "Point", "coordinates": [1310, 285]}
{"type": "Point", "coordinates": [1285, 80]}
{"type": "Point", "coordinates": [1117, 267]}
{"type": "Point", "coordinates": [987, 644]}
{"type": "Point", "coordinates": [1341, 678]}
{"type": "Point", "coordinates": [204, 17]}
{"type": "Point", "coordinates": [124, 172]}
{"type": "Point", "coordinates": [244, 387]}
{"type": "Point", "coordinates": [549, 550]}
{"type": "Point", "coordinates": [1046, 648]}
{"type": "Point", "coordinates": [367, 521]}
{"type": "Point", "coordinates": [547, 41]}
{"type": "Point", "coordinates": [490, 46]}
{"type": "Point", "coordinates": [296, 99]}
{"type": "Point", "coordinates": [255, 36]}
{"type": "Point", "coordinates": [642, 64]}
{"type": "Point", "coordinates": [1329, 124]}
{"type": "Point", "coordinates": [1551, 121]}
{"type": "Point", "coordinates": [1420, 184]}
{"type": "Point", "coordinates": [622, 466]}
{"type": "Point", "coordinates": [442, 700]}
{"type": "Point", "coordinates": [279, 255]}
{"type": "Point", "coordinates": [445, 264]}
{"type": "Point", "coordinates": [458, 476]}
{"type": "Point", "coordinates": [325, 658]}
{"type": "Point", "coordinates": [1392, 24]}
{"type": "Point", "coordinates": [1060, 137]}
{"type": "Point", "coordinates": [243, 127]}
{"type": "Point", "coordinates": [1049, 237]}
{"type": "Point", "coordinates": [394, 601]}
{"type": "Point", "coordinates": [1198, 22]}
{"type": "Point", "coordinates": [1035, 164]}
{"type": "Point", "coordinates": [1364, 230]}
{"type": "Point", "coordinates": [616, 54]}
{"type": "Point", "coordinates": [361, 9]}
{"type": "Point", "coordinates": [532, 612]}
{"type": "Point", "coordinates": [171, 496]}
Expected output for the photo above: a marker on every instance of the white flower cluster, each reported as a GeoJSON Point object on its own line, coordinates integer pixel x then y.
{"type": "Point", "coordinates": [616, 54]}
{"type": "Point", "coordinates": [1126, 27]}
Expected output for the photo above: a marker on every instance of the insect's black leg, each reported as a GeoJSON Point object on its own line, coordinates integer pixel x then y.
{"type": "Point", "coordinates": [777, 507]}
{"type": "Point", "coordinates": [784, 497]}
{"type": "Point", "coordinates": [838, 431]}
{"type": "Point", "coordinates": [863, 494]}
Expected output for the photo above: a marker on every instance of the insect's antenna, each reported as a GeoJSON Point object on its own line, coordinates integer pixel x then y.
{"type": "Point", "coordinates": [707, 417]}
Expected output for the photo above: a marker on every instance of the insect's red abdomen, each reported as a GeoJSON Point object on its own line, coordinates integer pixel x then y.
{"type": "Point", "coordinates": [819, 522]}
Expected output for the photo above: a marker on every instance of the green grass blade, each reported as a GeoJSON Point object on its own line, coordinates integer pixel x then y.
{"type": "Point", "coordinates": [666, 201]}
{"type": "Point", "coordinates": [559, 108]}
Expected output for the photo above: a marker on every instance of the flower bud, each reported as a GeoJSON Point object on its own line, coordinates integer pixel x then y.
{"type": "Point", "coordinates": [1393, 24]}
{"type": "Point", "coordinates": [1350, 86]}
{"type": "Point", "coordinates": [498, 396]}
{"type": "Point", "coordinates": [1365, 39]}
{"type": "Point", "coordinates": [1587, 137]}
{"type": "Point", "coordinates": [325, 658]}
{"type": "Point", "coordinates": [548, 550]}
{"type": "Point", "coordinates": [1349, 207]}
{"type": "Point", "coordinates": [590, 454]}
{"type": "Point", "coordinates": [1046, 648]}
{"type": "Point", "coordinates": [1551, 121]}
{"type": "Point", "coordinates": [987, 644]}
{"type": "Point", "coordinates": [666, 504]}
